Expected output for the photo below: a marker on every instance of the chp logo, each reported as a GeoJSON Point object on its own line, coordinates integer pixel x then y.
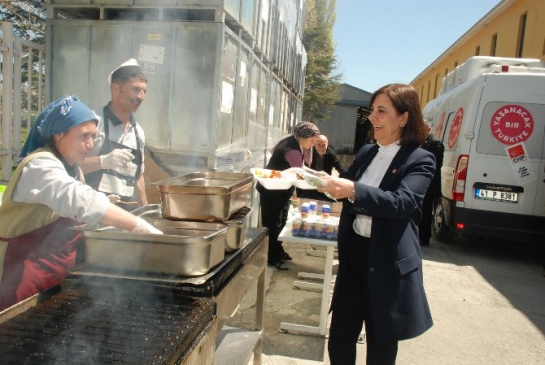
{"type": "Point", "coordinates": [520, 163]}
{"type": "Point", "coordinates": [516, 153]}
{"type": "Point", "coordinates": [512, 124]}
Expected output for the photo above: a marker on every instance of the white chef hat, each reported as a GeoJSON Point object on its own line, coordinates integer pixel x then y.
{"type": "Point", "coordinates": [126, 68]}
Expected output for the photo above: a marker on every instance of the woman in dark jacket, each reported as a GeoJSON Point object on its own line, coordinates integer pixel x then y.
{"type": "Point", "coordinates": [275, 203]}
{"type": "Point", "coordinates": [380, 279]}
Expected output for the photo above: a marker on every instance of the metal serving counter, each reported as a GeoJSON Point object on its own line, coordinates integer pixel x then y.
{"type": "Point", "coordinates": [103, 319]}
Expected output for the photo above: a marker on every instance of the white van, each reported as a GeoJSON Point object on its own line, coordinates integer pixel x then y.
{"type": "Point", "coordinates": [490, 115]}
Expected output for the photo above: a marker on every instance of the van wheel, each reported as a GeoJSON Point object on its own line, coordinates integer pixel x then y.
{"type": "Point", "coordinates": [439, 230]}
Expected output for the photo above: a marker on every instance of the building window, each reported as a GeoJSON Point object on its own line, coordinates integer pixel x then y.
{"type": "Point", "coordinates": [522, 30]}
{"type": "Point", "coordinates": [493, 44]}
{"type": "Point", "coordinates": [446, 71]}
{"type": "Point", "coordinates": [477, 50]}
{"type": "Point", "coordinates": [455, 64]}
{"type": "Point", "coordinates": [435, 86]}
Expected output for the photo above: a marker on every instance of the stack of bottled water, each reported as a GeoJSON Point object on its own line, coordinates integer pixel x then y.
{"type": "Point", "coordinates": [307, 222]}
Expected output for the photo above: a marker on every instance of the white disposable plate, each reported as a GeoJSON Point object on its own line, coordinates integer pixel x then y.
{"type": "Point", "coordinates": [283, 183]}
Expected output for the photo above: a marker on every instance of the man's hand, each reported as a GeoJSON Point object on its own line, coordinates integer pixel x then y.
{"type": "Point", "coordinates": [117, 159]}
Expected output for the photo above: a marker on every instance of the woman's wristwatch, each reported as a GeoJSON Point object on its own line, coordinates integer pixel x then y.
{"type": "Point", "coordinates": [353, 197]}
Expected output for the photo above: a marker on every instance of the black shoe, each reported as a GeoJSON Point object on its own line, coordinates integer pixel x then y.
{"type": "Point", "coordinates": [279, 264]}
{"type": "Point", "coordinates": [285, 256]}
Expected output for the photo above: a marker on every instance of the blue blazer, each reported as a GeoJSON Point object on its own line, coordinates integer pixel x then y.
{"type": "Point", "coordinates": [398, 301]}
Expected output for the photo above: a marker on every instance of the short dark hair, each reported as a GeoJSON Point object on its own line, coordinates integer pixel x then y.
{"type": "Point", "coordinates": [405, 99]}
{"type": "Point", "coordinates": [124, 74]}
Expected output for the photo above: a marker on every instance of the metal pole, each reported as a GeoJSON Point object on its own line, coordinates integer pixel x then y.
{"type": "Point", "coordinates": [7, 91]}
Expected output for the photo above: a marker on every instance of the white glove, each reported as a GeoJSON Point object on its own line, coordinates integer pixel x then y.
{"type": "Point", "coordinates": [114, 198]}
{"type": "Point", "coordinates": [144, 227]}
{"type": "Point", "coordinates": [118, 158]}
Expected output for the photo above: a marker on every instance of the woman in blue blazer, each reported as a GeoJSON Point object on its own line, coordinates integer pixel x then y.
{"type": "Point", "coordinates": [379, 280]}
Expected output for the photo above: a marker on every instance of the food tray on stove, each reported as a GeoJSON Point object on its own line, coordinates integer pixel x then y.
{"type": "Point", "coordinates": [185, 248]}
{"type": "Point", "coordinates": [237, 223]}
{"type": "Point", "coordinates": [205, 196]}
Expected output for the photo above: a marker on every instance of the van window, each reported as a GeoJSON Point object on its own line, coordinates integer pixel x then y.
{"type": "Point", "coordinates": [504, 124]}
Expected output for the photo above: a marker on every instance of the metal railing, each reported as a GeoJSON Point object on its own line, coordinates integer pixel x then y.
{"type": "Point", "coordinates": [22, 97]}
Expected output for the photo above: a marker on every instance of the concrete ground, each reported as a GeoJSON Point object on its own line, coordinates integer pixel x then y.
{"type": "Point", "coordinates": [487, 300]}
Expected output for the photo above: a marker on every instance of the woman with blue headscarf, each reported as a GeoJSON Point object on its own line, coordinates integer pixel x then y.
{"type": "Point", "coordinates": [46, 197]}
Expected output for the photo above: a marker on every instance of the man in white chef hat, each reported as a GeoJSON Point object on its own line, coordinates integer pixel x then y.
{"type": "Point", "coordinates": [115, 166]}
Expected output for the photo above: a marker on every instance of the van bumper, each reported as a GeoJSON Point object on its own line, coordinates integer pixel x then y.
{"type": "Point", "coordinates": [516, 227]}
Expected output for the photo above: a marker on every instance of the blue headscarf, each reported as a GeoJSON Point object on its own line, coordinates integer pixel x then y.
{"type": "Point", "coordinates": [59, 116]}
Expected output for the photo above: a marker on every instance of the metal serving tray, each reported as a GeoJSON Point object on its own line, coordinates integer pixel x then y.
{"type": "Point", "coordinates": [205, 196]}
{"type": "Point", "coordinates": [237, 224]}
{"type": "Point", "coordinates": [186, 248]}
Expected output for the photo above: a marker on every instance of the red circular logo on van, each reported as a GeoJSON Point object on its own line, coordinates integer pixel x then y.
{"type": "Point", "coordinates": [455, 128]}
{"type": "Point", "coordinates": [512, 124]}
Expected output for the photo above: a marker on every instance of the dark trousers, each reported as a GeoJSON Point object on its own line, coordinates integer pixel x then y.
{"type": "Point", "coordinates": [274, 214]}
{"type": "Point", "coordinates": [352, 308]}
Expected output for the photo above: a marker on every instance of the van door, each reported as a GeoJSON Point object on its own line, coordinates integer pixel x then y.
{"type": "Point", "coordinates": [505, 168]}
{"type": "Point", "coordinates": [453, 116]}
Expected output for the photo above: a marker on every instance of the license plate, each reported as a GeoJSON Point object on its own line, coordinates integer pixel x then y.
{"type": "Point", "coordinates": [500, 196]}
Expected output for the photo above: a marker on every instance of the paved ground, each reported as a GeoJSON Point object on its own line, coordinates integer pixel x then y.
{"type": "Point", "coordinates": [487, 300]}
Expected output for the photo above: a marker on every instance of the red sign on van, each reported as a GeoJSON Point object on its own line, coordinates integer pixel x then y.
{"type": "Point", "coordinates": [455, 128]}
{"type": "Point", "coordinates": [512, 124]}
{"type": "Point", "coordinates": [516, 153]}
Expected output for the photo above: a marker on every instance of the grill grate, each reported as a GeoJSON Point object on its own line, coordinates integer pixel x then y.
{"type": "Point", "coordinates": [95, 324]}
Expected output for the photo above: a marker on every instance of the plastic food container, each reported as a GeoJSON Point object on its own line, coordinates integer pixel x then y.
{"type": "Point", "coordinates": [284, 182]}
{"type": "Point", "coordinates": [296, 177]}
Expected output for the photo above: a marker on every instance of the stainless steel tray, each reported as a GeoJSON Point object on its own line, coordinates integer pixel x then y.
{"type": "Point", "coordinates": [150, 210]}
{"type": "Point", "coordinates": [237, 224]}
{"type": "Point", "coordinates": [205, 196]}
{"type": "Point", "coordinates": [186, 248]}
